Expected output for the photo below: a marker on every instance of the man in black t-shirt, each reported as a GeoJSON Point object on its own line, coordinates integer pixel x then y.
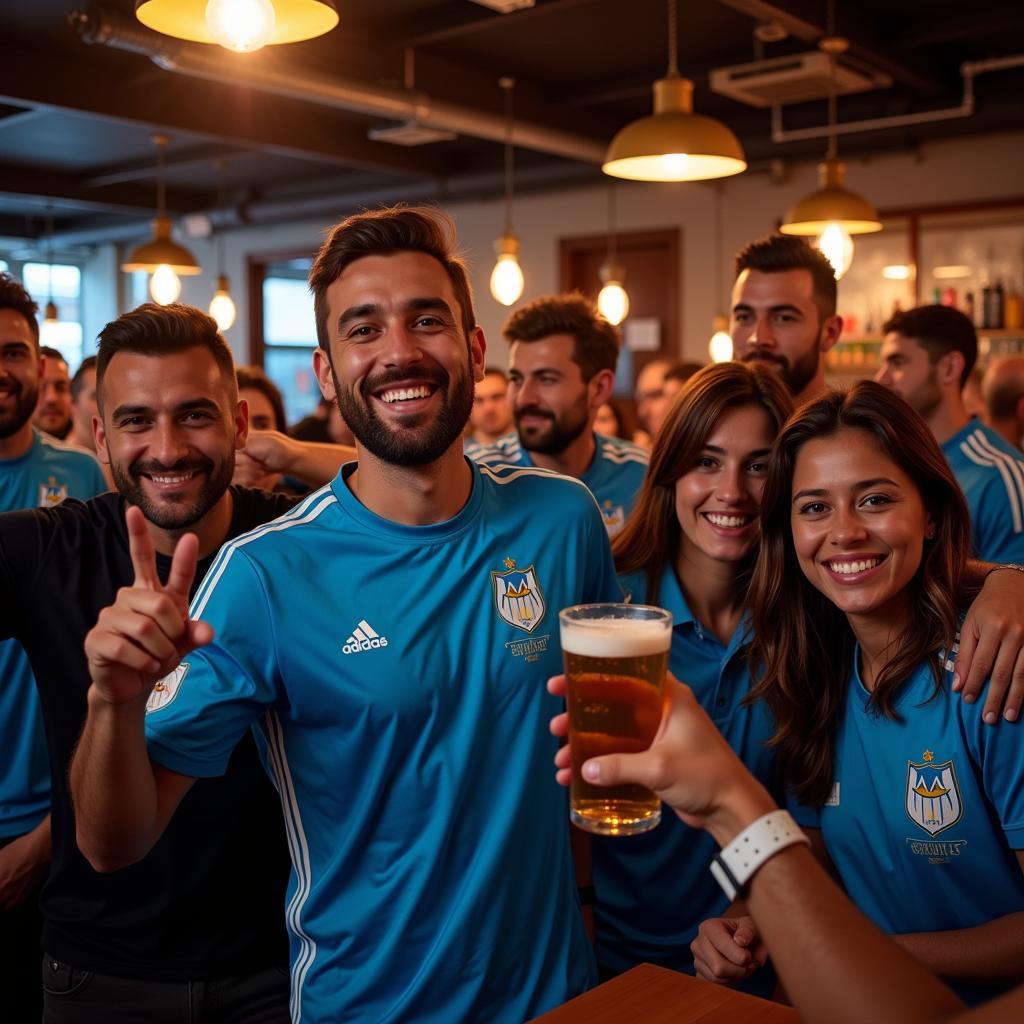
{"type": "Point", "coordinates": [196, 929]}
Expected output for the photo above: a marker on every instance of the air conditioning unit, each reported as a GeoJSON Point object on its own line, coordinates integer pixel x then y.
{"type": "Point", "coordinates": [505, 6]}
{"type": "Point", "coordinates": [795, 79]}
{"type": "Point", "coordinates": [410, 133]}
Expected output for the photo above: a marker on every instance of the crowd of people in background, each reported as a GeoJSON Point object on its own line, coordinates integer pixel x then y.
{"type": "Point", "coordinates": [272, 709]}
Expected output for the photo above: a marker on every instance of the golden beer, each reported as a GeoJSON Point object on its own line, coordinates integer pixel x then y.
{"type": "Point", "coordinates": [615, 661]}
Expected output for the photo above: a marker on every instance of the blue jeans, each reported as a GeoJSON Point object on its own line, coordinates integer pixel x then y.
{"type": "Point", "coordinates": [74, 996]}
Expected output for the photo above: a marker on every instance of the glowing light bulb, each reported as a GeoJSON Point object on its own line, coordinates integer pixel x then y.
{"type": "Point", "coordinates": [507, 280]}
{"type": "Point", "coordinates": [164, 285]}
{"type": "Point", "coordinates": [837, 246]}
{"type": "Point", "coordinates": [241, 25]}
{"type": "Point", "coordinates": [720, 347]}
{"type": "Point", "coordinates": [613, 302]}
{"type": "Point", "coordinates": [222, 306]}
{"type": "Point", "coordinates": [675, 164]}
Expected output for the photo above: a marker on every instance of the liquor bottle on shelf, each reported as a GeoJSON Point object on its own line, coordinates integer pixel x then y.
{"type": "Point", "coordinates": [949, 296]}
{"type": "Point", "coordinates": [969, 307]}
{"type": "Point", "coordinates": [1013, 313]}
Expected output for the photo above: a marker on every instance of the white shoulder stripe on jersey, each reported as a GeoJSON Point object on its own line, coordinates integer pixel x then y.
{"type": "Point", "coordinates": [286, 522]}
{"type": "Point", "coordinates": [299, 849]}
{"type": "Point", "coordinates": [298, 510]}
{"type": "Point", "coordinates": [982, 452]}
{"type": "Point", "coordinates": [62, 446]}
{"type": "Point", "coordinates": [619, 458]}
{"type": "Point", "coordinates": [515, 472]}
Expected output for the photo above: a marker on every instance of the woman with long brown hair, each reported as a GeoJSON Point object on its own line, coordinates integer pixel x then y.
{"type": "Point", "coordinates": [688, 547]}
{"type": "Point", "coordinates": [855, 603]}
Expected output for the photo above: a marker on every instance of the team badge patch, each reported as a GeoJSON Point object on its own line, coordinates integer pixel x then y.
{"type": "Point", "coordinates": [518, 597]}
{"type": "Point", "coordinates": [52, 493]}
{"type": "Point", "coordinates": [933, 794]}
{"type": "Point", "coordinates": [614, 517]}
{"type": "Point", "coordinates": [166, 689]}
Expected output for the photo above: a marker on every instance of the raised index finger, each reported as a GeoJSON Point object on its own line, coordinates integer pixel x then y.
{"type": "Point", "coordinates": [141, 548]}
{"type": "Point", "coordinates": [183, 568]}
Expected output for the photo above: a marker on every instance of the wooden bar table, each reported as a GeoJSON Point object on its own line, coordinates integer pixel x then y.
{"type": "Point", "coordinates": [655, 995]}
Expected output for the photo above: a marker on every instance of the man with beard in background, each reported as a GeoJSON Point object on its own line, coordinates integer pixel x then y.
{"type": "Point", "coordinates": [784, 311]}
{"type": "Point", "coordinates": [53, 408]}
{"type": "Point", "coordinates": [35, 470]}
{"type": "Point", "coordinates": [561, 371]}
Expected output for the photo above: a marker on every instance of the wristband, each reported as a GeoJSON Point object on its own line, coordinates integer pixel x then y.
{"type": "Point", "coordinates": [735, 864]}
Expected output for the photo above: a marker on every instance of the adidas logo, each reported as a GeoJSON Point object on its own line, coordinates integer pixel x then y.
{"type": "Point", "coordinates": [364, 638]}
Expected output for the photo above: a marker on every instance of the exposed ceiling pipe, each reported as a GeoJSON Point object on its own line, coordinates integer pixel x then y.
{"type": "Point", "coordinates": [330, 205]}
{"type": "Point", "coordinates": [969, 71]}
{"type": "Point", "coordinates": [107, 28]}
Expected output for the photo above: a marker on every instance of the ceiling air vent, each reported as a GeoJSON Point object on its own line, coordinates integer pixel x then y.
{"type": "Point", "coordinates": [795, 79]}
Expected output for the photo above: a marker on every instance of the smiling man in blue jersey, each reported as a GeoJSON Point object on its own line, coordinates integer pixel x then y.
{"type": "Point", "coordinates": [561, 371]}
{"type": "Point", "coordinates": [432, 878]}
{"type": "Point", "coordinates": [927, 355]}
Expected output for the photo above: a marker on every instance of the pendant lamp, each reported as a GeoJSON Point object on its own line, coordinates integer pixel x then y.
{"type": "Point", "coordinates": [612, 299]}
{"type": "Point", "coordinates": [239, 25]}
{"type": "Point", "coordinates": [222, 306]}
{"type": "Point", "coordinates": [832, 213]}
{"type": "Point", "coordinates": [674, 144]}
{"type": "Point", "coordinates": [507, 281]}
{"type": "Point", "coordinates": [161, 256]}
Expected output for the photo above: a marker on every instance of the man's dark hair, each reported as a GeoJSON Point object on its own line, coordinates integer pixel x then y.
{"type": "Point", "coordinates": [78, 381]}
{"type": "Point", "coordinates": [387, 232]}
{"type": "Point", "coordinates": [595, 340]}
{"type": "Point", "coordinates": [775, 254]}
{"type": "Point", "coordinates": [13, 296]}
{"type": "Point", "coordinates": [152, 330]}
{"type": "Point", "coordinates": [682, 371]}
{"type": "Point", "coordinates": [939, 330]}
{"type": "Point", "coordinates": [53, 354]}
{"type": "Point", "coordinates": [254, 377]}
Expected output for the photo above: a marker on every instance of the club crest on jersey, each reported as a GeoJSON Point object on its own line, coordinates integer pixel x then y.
{"type": "Point", "coordinates": [52, 493]}
{"type": "Point", "coordinates": [166, 689]}
{"type": "Point", "coordinates": [933, 794]}
{"type": "Point", "coordinates": [614, 517]}
{"type": "Point", "coordinates": [518, 597]}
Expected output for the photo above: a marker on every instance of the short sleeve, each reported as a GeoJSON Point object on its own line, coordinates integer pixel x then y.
{"type": "Point", "coordinates": [998, 753]}
{"type": "Point", "coordinates": [197, 714]}
{"type": "Point", "coordinates": [999, 527]}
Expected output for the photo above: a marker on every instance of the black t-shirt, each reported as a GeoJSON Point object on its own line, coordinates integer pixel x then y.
{"type": "Point", "coordinates": [208, 900]}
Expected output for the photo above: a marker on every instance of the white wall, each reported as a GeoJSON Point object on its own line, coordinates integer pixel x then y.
{"type": "Point", "coordinates": [985, 167]}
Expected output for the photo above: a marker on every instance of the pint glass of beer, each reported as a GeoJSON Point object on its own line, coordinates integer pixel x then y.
{"type": "Point", "coordinates": [615, 660]}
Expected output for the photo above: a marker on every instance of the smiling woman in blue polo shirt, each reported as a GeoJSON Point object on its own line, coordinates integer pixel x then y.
{"type": "Point", "coordinates": [688, 547]}
{"type": "Point", "coordinates": [916, 802]}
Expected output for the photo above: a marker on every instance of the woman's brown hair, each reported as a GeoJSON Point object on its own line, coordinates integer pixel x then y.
{"type": "Point", "coordinates": [803, 645]}
{"type": "Point", "coordinates": [650, 539]}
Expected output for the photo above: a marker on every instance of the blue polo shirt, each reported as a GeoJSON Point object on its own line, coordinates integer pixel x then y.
{"type": "Point", "coordinates": [397, 675]}
{"type": "Point", "coordinates": [990, 472]}
{"type": "Point", "coordinates": [925, 813]}
{"type": "Point", "coordinates": [654, 889]}
{"type": "Point", "coordinates": [46, 474]}
{"type": "Point", "coordinates": [614, 475]}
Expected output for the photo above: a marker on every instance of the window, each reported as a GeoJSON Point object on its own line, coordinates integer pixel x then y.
{"type": "Point", "coordinates": [289, 335]}
{"type": "Point", "coordinates": [61, 283]}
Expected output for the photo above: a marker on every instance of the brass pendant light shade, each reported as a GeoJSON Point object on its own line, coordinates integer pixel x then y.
{"type": "Point", "coordinates": [159, 251]}
{"type": "Point", "coordinates": [294, 20]}
{"type": "Point", "coordinates": [832, 203]}
{"type": "Point", "coordinates": [674, 143]}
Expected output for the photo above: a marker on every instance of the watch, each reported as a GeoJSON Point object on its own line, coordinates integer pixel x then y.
{"type": "Point", "coordinates": [735, 864]}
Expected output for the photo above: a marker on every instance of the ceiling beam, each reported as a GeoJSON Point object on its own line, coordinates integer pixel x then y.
{"type": "Point", "coordinates": [145, 170]}
{"type": "Point", "coordinates": [46, 184]}
{"type": "Point", "coordinates": [127, 88]}
{"type": "Point", "coordinates": [804, 19]}
{"type": "Point", "coordinates": [454, 21]}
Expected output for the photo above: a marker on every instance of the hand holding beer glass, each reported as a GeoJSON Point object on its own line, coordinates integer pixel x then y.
{"type": "Point", "coordinates": [615, 661]}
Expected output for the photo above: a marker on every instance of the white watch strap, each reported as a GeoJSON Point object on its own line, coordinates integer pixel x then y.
{"type": "Point", "coordinates": [735, 864]}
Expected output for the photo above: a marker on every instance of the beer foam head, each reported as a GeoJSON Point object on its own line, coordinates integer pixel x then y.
{"type": "Point", "coordinates": [615, 638]}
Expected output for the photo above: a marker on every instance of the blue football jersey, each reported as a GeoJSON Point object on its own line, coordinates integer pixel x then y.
{"type": "Point", "coordinates": [654, 889]}
{"type": "Point", "coordinates": [46, 474]}
{"type": "Point", "coordinates": [397, 676]}
{"type": "Point", "coordinates": [614, 476]}
{"type": "Point", "coordinates": [925, 813]}
{"type": "Point", "coordinates": [990, 472]}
